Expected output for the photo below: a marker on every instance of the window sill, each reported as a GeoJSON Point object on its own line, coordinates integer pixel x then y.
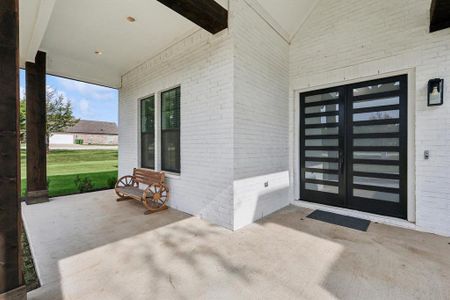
{"type": "Point", "coordinates": [172, 175]}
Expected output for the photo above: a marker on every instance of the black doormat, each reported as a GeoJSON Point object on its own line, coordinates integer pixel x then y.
{"type": "Point", "coordinates": [346, 221]}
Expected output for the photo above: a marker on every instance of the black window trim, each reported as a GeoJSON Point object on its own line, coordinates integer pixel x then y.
{"type": "Point", "coordinates": [173, 171]}
{"type": "Point", "coordinates": [140, 101]}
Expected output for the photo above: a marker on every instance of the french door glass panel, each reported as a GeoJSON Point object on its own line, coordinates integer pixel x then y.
{"type": "Point", "coordinates": [322, 145]}
{"type": "Point", "coordinates": [353, 146]}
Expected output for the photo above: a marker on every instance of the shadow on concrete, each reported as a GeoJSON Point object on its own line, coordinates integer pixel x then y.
{"type": "Point", "coordinates": [383, 263]}
{"type": "Point", "coordinates": [90, 247]}
{"type": "Point", "coordinates": [122, 248]}
{"type": "Point", "coordinates": [71, 225]}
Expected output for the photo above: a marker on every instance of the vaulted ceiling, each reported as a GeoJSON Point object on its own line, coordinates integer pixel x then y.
{"type": "Point", "coordinates": [288, 14]}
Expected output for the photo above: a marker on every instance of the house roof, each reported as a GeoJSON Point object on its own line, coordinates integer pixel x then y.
{"type": "Point", "coordinates": [93, 127]}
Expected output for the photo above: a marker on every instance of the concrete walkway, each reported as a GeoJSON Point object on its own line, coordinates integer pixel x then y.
{"type": "Point", "coordinates": [91, 247]}
{"type": "Point", "coordinates": [82, 147]}
{"type": "Point", "coordinates": [78, 147]}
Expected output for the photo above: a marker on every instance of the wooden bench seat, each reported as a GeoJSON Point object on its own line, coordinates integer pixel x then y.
{"type": "Point", "coordinates": [154, 196]}
{"type": "Point", "coordinates": [133, 192]}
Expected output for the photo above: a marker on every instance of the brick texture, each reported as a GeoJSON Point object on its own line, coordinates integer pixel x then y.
{"type": "Point", "coordinates": [351, 39]}
{"type": "Point", "coordinates": [203, 66]}
{"type": "Point", "coordinates": [261, 119]}
{"type": "Point", "coordinates": [237, 103]}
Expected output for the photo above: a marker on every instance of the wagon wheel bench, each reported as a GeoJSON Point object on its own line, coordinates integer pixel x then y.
{"type": "Point", "coordinates": [154, 197]}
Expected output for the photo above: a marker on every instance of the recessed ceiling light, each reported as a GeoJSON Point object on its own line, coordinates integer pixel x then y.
{"type": "Point", "coordinates": [98, 52]}
{"type": "Point", "coordinates": [131, 19]}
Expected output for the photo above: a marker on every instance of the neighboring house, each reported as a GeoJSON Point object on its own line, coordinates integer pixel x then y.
{"type": "Point", "coordinates": [309, 103]}
{"type": "Point", "coordinates": [88, 132]}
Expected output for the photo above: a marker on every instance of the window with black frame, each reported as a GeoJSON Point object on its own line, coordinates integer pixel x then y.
{"type": "Point", "coordinates": [170, 130]}
{"type": "Point", "coordinates": [148, 132]}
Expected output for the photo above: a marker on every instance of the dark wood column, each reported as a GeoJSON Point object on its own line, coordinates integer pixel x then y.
{"type": "Point", "coordinates": [439, 15]}
{"type": "Point", "coordinates": [11, 279]}
{"type": "Point", "coordinates": [37, 191]}
{"type": "Point", "coordinates": [207, 14]}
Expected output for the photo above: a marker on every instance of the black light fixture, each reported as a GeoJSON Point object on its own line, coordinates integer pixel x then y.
{"type": "Point", "coordinates": [435, 92]}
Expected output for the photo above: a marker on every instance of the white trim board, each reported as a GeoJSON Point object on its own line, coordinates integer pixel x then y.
{"type": "Point", "coordinates": [269, 19]}
{"type": "Point", "coordinates": [39, 29]}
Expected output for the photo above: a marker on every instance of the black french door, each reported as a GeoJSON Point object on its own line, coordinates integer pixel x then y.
{"type": "Point", "coordinates": [353, 146]}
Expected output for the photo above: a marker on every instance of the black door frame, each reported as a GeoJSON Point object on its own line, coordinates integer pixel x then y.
{"type": "Point", "coordinates": [345, 198]}
{"type": "Point", "coordinates": [325, 198]}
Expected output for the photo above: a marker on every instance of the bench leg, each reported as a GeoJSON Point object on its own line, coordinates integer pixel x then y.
{"type": "Point", "coordinates": [123, 199]}
{"type": "Point", "coordinates": [164, 207]}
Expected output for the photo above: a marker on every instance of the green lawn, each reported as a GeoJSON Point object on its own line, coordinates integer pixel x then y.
{"type": "Point", "coordinates": [64, 165]}
{"type": "Point", "coordinates": [29, 271]}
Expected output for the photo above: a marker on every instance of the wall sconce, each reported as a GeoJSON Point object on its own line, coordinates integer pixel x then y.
{"type": "Point", "coordinates": [435, 92]}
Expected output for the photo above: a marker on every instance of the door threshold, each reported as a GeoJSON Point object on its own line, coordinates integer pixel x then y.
{"type": "Point", "coordinates": [358, 214]}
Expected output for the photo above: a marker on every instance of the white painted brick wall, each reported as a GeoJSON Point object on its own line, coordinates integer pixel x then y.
{"type": "Point", "coordinates": [261, 126]}
{"type": "Point", "coordinates": [350, 39]}
{"type": "Point", "coordinates": [237, 104]}
{"type": "Point", "coordinates": [234, 119]}
{"type": "Point", "coordinates": [203, 66]}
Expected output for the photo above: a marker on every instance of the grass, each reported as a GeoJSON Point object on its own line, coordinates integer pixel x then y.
{"type": "Point", "coordinates": [63, 166]}
{"type": "Point", "coordinates": [29, 271]}
{"type": "Point", "coordinates": [65, 162]}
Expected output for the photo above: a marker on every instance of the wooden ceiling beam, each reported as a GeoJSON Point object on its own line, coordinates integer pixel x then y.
{"type": "Point", "coordinates": [207, 14]}
{"type": "Point", "coordinates": [439, 15]}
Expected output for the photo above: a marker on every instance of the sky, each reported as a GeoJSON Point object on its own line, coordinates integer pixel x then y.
{"type": "Point", "coordinates": [89, 101]}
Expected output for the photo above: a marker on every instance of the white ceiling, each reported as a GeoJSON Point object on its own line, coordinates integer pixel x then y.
{"type": "Point", "coordinates": [70, 31]}
{"type": "Point", "coordinates": [289, 14]}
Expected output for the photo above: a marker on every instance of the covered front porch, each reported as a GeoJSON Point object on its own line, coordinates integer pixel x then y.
{"type": "Point", "coordinates": [90, 247]}
{"type": "Point", "coordinates": [229, 74]}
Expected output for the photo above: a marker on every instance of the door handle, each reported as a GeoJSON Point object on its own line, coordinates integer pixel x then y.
{"type": "Point", "coordinates": [341, 161]}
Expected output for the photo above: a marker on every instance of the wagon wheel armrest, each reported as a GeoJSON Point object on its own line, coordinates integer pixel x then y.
{"type": "Point", "coordinates": [127, 176]}
{"type": "Point", "coordinates": [127, 180]}
{"type": "Point", "coordinates": [155, 197]}
{"type": "Point", "coordinates": [159, 188]}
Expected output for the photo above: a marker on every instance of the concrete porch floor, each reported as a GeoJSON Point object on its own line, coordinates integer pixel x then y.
{"type": "Point", "coordinates": [91, 247]}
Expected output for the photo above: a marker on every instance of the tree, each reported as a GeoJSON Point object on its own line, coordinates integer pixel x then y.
{"type": "Point", "coordinates": [59, 114]}
{"type": "Point", "coordinates": [22, 119]}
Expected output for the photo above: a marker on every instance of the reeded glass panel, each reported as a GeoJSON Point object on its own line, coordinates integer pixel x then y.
{"type": "Point", "coordinates": [377, 88]}
{"type": "Point", "coordinates": [321, 153]}
{"type": "Point", "coordinates": [376, 155]}
{"type": "Point", "coordinates": [322, 142]}
{"type": "Point", "coordinates": [322, 176]}
{"type": "Point", "coordinates": [376, 115]}
{"type": "Point", "coordinates": [376, 102]}
{"type": "Point", "coordinates": [391, 183]}
{"type": "Point", "coordinates": [386, 142]}
{"type": "Point", "coordinates": [322, 131]}
{"type": "Point", "coordinates": [321, 165]}
{"type": "Point", "coordinates": [322, 97]}
{"type": "Point", "coordinates": [376, 195]}
{"type": "Point", "coordinates": [322, 120]}
{"type": "Point", "coordinates": [376, 128]}
{"type": "Point", "coordinates": [322, 188]}
{"type": "Point", "coordinates": [383, 169]}
{"type": "Point", "coordinates": [321, 108]}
